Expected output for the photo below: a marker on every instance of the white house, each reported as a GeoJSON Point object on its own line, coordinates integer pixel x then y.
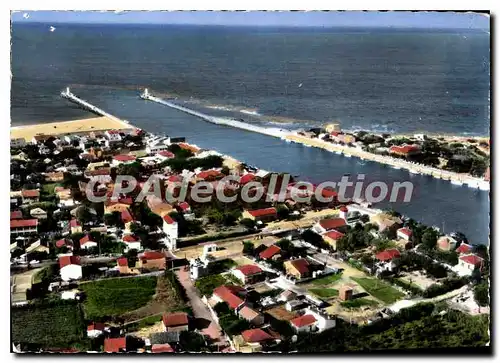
{"type": "Point", "coordinates": [96, 329]}
{"type": "Point", "coordinates": [171, 230]}
{"type": "Point", "coordinates": [247, 273]}
{"type": "Point", "coordinates": [113, 136]}
{"type": "Point", "coordinates": [15, 143]}
{"type": "Point", "coordinates": [467, 264]}
{"type": "Point", "coordinates": [38, 213]}
{"type": "Point", "coordinates": [70, 268]}
{"type": "Point", "coordinates": [304, 323]}
{"type": "Point", "coordinates": [123, 159]}
{"type": "Point", "coordinates": [131, 243]}
{"type": "Point", "coordinates": [404, 233]}
{"type": "Point", "coordinates": [86, 243]}
{"type": "Point", "coordinates": [324, 321]}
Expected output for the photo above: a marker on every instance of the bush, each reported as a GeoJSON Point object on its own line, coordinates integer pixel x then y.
{"type": "Point", "coordinates": [447, 286]}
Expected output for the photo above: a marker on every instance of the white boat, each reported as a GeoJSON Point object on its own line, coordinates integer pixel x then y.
{"type": "Point", "coordinates": [347, 155]}
{"type": "Point", "coordinates": [338, 152]}
{"type": "Point", "coordinates": [412, 171]}
{"type": "Point", "coordinates": [456, 182]}
{"type": "Point", "coordinates": [395, 167]}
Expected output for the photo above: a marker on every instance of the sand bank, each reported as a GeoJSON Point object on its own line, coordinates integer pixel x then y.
{"type": "Point", "coordinates": [56, 128]}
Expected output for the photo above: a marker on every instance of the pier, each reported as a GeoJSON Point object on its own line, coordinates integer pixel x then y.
{"type": "Point", "coordinates": [88, 106]}
{"type": "Point", "coordinates": [279, 133]}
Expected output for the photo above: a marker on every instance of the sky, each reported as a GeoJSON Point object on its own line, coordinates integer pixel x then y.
{"type": "Point", "coordinates": [446, 20]}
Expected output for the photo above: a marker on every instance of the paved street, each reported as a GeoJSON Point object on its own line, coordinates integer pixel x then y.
{"type": "Point", "coordinates": [200, 310]}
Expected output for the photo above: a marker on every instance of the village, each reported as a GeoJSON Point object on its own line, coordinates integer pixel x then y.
{"type": "Point", "coordinates": [158, 277]}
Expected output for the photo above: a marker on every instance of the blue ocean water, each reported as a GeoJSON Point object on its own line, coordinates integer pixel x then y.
{"type": "Point", "coordinates": [388, 80]}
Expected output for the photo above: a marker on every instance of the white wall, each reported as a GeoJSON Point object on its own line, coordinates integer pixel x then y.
{"type": "Point", "coordinates": [71, 272]}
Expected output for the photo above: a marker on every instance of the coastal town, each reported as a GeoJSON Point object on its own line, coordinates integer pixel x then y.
{"type": "Point", "coordinates": [272, 275]}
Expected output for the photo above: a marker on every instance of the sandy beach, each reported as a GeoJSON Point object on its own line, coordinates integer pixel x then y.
{"type": "Point", "coordinates": [64, 127]}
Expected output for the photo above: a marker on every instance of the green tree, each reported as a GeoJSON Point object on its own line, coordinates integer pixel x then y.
{"type": "Point", "coordinates": [248, 248]}
{"type": "Point", "coordinates": [481, 294]}
{"type": "Point", "coordinates": [429, 238]}
{"type": "Point", "coordinates": [248, 223]}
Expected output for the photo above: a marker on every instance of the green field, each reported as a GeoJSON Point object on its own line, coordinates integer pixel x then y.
{"type": "Point", "coordinates": [325, 293]}
{"type": "Point", "coordinates": [379, 289]}
{"type": "Point", "coordinates": [357, 303]}
{"type": "Point", "coordinates": [327, 279]}
{"type": "Point", "coordinates": [51, 325]}
{"type": "Point", "coordinates": [112, 297]}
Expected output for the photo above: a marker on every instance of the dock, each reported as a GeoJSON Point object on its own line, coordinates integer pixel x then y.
{"type": "Point", "coordinates": [275, 132]}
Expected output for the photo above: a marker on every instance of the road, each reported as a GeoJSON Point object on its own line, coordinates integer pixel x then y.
{"type": "Point", "coordinates": [200, 310]}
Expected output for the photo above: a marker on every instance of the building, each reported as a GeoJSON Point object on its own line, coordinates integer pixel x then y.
{"type": "Point", "coordinates": [123, 159]}
{"type": "Point", "coordinates": [131, 243]}
{"type": "Point", "coordinates": [345, 293]}
{"type": "Point", "coordinates": [388, 255]}
{"type": "Point", "coordinates": [17, 214]}
{"type": "Point", "coordinates": [332, 237]}
{"type": "Point", "coordinates": [252, 340]}
{"type": "Point", "coordinates": [23, 226]}
{"type": "Point", "coordinates": [208, 175]}
{"type": "Point", "coordinates": [251, 316]}
{"type": "Point", "coordinates": [86, 243]}
{"type": "Point", "coordinates": [324, 320]}
{"type": "Point", "coordinates": [30, 196]}
{"type": "Point", "coordinates": [17, 143]}
{"type": "Point", "coordinates": [246, 178]}
{"type": "Point", "coordinates": [38, 213]}
{"type": "Point", "coordinates": [54, 177]}
{"type": "Point", "coordinates": [70, 268]}
{"type": "Point", "coordinates": [165, 155]}
{"type": "Point", "coordinates": [171, 230]}
{"type": "Point", "coordinates": [175, 322]}
{"type": "Point", "coordinates": [95, 329]}
{"type": "Point", "coordinates": [248, 274]}
{"type": "Point", "coordinates": [162, 348]}
{"type": "Point", "coordinates": [75, 226]}
{"type": "Point", "coordinates": [328, 224]}
{"type": "Point", "coordinates": [342, 138]}
{"type": "Point", "coordinates": [468, 264]}
{"type": "Point", "coordinates": [298, 268]}
{"type": "Point", "coordinates": [64, 243]}
{"type": "Point", "coordinates": [405, 150]}
{"type": "Point", "coordinates": [464, 249]}
{"type": "Point", "coordinates": [37, 247]}
{"type": "Point", "coordinates": [115, 345]}
{"type": "Point", "coordinates": [335, 127]}
{"type": "Point", "coordinates": [230, 294]}
{"type": "Point", "coordinates": [446, 243]}
{"type": "Point", "coordinates": [304, 323]}
{"type": "Point", "coordinates": [262, 215]}
{"type": "Point", "coordinates": [404, 233]}
{"type": "Point", "coordinates": [112, 136]}
{"type": "Point", "coordinates": [152, 260]}
{"type": "Point", "coordinates": [270, 252]}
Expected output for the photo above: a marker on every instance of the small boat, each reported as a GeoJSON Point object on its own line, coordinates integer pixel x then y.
{"type": "Point", "coordinates": [347, 155]}
{"type": "Point", "coordinates": [412, 171]}
{"type": "Point", "coordinates": [456, 182]}
{"type": "Point", "coordinates": [338, 152]}
{"type": "Point", "coordinates": [395, 167]}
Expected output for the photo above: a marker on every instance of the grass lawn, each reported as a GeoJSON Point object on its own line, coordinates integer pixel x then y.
{"type": "Point", "coordinates": [325, 293]}
{"type": "Point", "coordinates": [357, 303]}
{"type": "Point", "coordinates": [48, 325]}
{"type": "Point", "coordinates": [112, 297]}
{"type": "Point", "coordinates": [49, 188]}
{"type": "Point", "coordinates": [379, 289]}
{"type": "Point", "coordinates": [330, 279]}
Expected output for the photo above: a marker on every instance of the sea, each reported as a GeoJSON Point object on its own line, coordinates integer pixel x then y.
{"type": "Point", "coordinates": [383, 80]}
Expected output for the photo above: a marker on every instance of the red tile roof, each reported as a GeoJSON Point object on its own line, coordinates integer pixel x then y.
{"type": "Point", "coordinates": [115, 345]}
{"type": "Point", "coordinates": [122, 261]}
{"type": "Point", "coordinates": [129, 238]}
{"type": "Point", "coordinates": [464, 248]}
{"type": "Point", "coordinates": [255, 336]}
{"type": "Point", "coordinates": [388, 255]}
{"type": "Point", "coordinates": [208, 174]}
{"type": "Point", "coordinates": [405, 231]}
{"type": "Point", "coordinates": [151, 255]}
{"type": "Point", "coordinates": [85, 239]}
{"type": "Point", "coordinates": [343, 209]}
{"type": "Point", "coordinates": [111, 132]}
{"type": "Point", "coordinates": [184, 206]}
{"type": "Point", "coordinates": [403, 149]}
{"type": "Point", "coordinates": [303, 320]}
{"type": "Point", "coordinates": [229, 295]}
{"type": "Point", "coordinates": [247, 178]}
{"type": "Point", "coordinates": [269, 252]}
{"type": "Point", "coordinates": [124, 157]}
{"type": "Point", "coordinates": [17, 214]}
{"type": "Point", "coordinates": [333, 234]}
{"type": "Point", "coordinates": [263, 212]}
{"type": "Point", "coordinates": [174, 178]}
{"type": "Point", "coordinates": [74, 223]}
{"type": "Point", "coordinates": [162, 348]}
{"type": "Point", "coordinates": [68, 260]}
{"type": "Point", "coordinates": [20, 223]}
{"type": "Point", "coordinates": [96, 326]}
{"type": "Point", "coordinates": [472, 259]}
{"type": "Point", "coordinates": [249, 270]}
{"type": "Point", "coordinates": [175, 319]}
{"type": "Point", "coordinates": [332, 223]}
{"type": "Point", "coordinates": [61, 243]}
{"type": "Point", "coordinates": [169, 219]}
{"type": "Point", "coordinates": [301, 265]}
{"type": "Point", "coordinates": [127, 216]}
{"type": "Point", "coordinates": [166, 154]}
{"type": "Point", "coordinates": [31, 193]}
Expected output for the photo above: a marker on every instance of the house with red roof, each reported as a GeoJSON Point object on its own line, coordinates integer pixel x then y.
{"type": "Point", "coordinates": [75, 226]}
{"type": "Point", "coordinates": [230, 294]}
{"type": "Point", "coordinates": [247, 178]}
{"type": "Point", "coordinates": [263, 215]}
{"type": "Point", "coordinates": [248, 274]}
{"type": "Point", "coordinates": [404, 233]}
{"type": "Point", "coordinates": [30, 196]}
{"type": "Point", "coordinates": [162, 348]}
{"type": "Point", "coordinates": [70, 268]}
{"type": "Point", "coordinates": [171, 230]}
{"type": "Point", "coordinates": [23, 226]}
{"type": "Point", "coordinates": [17, 214]}
{"type": "Point", "coordinates": [165, 155]}
{"type": "Point", "coordinates": [184, 207]}
{"type": "Point", "coordinates": [208, 175]}
{"type": "Point", "coordinates": [95, 329]}
{"type": "Point", "coordinates": [328, 224]}
{"type": "Point", "coordinates": [123, 159]}
{"type": "Point", "coordinates": [464, 249]}
{"type": "Point", "coordinates": [332, 237]}
{"type": "Point", "coordinates": [252, 340]}
{"type": "Point", "coordinates": [404, 150]}
{"type": "Point", "coordinates": [388, 255]}
{"type": "Point", "coordinates": [304, 323]}
{"type": "Point", "coordinates": [270, 252]}
{"type": "Point", "coordinates": [446, 243]}
{"type": "Point", "coordinates": [152, 260]}
{"type": "Point", "coordinates": [299, 268]}
{"type": "Point", "coordinates": [131, 242]}
{"type": "Point", "coordinates": [115, 345]}
{"type": "Point", "coordinates": [252, 316]}
{"type": "Point", "coordinates": [86, 242]}
{"type": "Point", "coordinates": [64, 243]}
{"type": "Point", "coordinates": [468, 264]}
{"type": "Point", "coordinates": [175, 322]}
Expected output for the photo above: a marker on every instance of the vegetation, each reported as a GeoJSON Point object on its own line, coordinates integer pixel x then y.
{"type": "Point", "coordinates": [228, 321]}
{"type": "Point", "coordinates": [330, 279]}
{"type": "Point", "coordinates": [206, 285]}
{"type": "Point", "coordinates": [355, 239]}
{"type": "Point", "coordinates": [357, 303]}
{"type": "Point", "coordinates": [55, 324]}
{"type": "Point", "coordinates": [113, 297]}
{"type": "Point", "coordinates": [220, 266]}
{"type": "Point", "coordinates": [379, 289]}
{"type": "Point", "coordinates": [325, 293]}
{"type": "Point", "coordinates": [481, 294]}
{"type": "Point", "coordinates": [191, 341]}
{"type": "Point", "coordinates": [444, 287]}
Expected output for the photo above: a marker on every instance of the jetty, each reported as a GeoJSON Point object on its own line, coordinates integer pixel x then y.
{"type": "Point", "coordinates": [223, 121]}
